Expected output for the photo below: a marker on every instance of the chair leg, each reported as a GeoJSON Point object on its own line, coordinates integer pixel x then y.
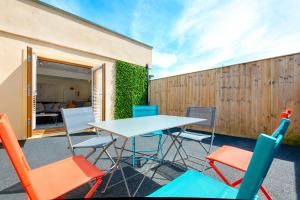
{"type": "Point", "coordinates": [222, 176]}
{"type": "Point", "coordinates": [60, 197]}
{"type": "Point", "coordinates": [183, 149]}
{"type": "Point", "coordinates": [265, 193]}
{"type": "Point", "coordinates": [179, 153]}
{"type": "Point", "coordinates": [103, 151]}
{"type": "Point", "coordinates": [204, 166]}
{"type": "Point", "coordinates": [118, 166]}
{"type": "Point", "coordinates": [174, 158]}
{"type": "Point", "coordinates": [109, 156]}
{"type": "Point", "coordinates": [111, 159]}
{"type": "Point", "coordinates": [159, 149]}
{"type": "Point", "coordinates": [136, 160]}
{"type": "Point", "coordinates": [133, 151]}
{"type": "Point", "coordinates": [178, 150]}
{"type": "Point", "coordinates": [167, 135]}
{"type": "Point", "coordinates": [237, 182]}
{"type": "Point", "coordinates": [90, 153]}
{"type": "Point", "coordinates": [208, 152]}
{"type": "Point", "coordinates": [98, 157]}
{"type": "Point", "coordinates": [94, 188]}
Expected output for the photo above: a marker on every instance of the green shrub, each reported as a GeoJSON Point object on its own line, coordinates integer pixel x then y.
{"type": "Point", "coordinates": [131, 88]}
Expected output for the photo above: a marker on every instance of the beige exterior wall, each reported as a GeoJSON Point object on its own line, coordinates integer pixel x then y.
{"type": "Point", "coordinates": [55, 34]}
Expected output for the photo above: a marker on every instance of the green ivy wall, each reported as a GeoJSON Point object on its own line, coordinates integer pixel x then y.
{"type": "Point", "coordinates": [131, 88]}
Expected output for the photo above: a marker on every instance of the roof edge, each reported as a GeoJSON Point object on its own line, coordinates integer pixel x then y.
{"type": "Point", "coordinates": [90, 22]}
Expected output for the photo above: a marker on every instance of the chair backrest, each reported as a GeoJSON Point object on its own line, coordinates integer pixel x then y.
{"type": "Point", "coordinates": [208, 113]}
{"type": "Point", "coordinates": [284, 114]}
{"type": "Point", "coordinates": [263, 155]}
{"type": "Point", "coordinates": [77, 119]}
{"type": "Point", "coordinates": [15, 153]}
{"type": "Point", "coordinates": [142, 111]}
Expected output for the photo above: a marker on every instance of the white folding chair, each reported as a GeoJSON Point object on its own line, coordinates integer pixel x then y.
{"type": "Point", "coordinates": [208, 113]}
{"type": "Point", "coordinates": [75, 121]}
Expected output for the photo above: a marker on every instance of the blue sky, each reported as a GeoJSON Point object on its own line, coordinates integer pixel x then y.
{"type": "Point", "coordinates": [193, 35]}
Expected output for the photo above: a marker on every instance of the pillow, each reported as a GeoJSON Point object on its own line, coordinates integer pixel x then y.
{"type": "Point", "coordinates": [56, 107]}
{"type": "Point", "coordinates": [49, 107]}
{"type": "Point", "coordinates": [70, 104]}
{"type": "Point", "coordinates": [63, 105]}
{"type": "Point", "coordinates": [87, 104]}
{"type": "Point", "coordinates": [39, 108]}
{"type": "Point", "coordinates": [78, 103]}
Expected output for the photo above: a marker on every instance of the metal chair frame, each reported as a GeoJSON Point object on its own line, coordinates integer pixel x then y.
{"type": "Point", "coordinates": [194, 184]}
{"type": "Point", "coordinates": [50, 181]}
{"type": "Point", "coordinates": [182, 137]}
{"type": "Point", "coordinates": [141, 111]}
{"type": "Point", "coordinates": [81, 123]}
{"type": "Point", "coordinates": [286, 114]}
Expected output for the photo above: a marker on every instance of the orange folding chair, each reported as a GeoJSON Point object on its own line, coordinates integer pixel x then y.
{"type": "Point", "coordinates": [238, 158]}
{"type": "Point", "coordinates": [53, 180]}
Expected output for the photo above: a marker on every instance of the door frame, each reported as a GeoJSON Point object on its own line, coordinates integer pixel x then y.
{"type": "Point", "coordinates": [29, 92]}
{"type": "Point", "coordinates": [31, 132]}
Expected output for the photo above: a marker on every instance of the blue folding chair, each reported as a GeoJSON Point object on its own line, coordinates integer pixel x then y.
{"type": "Point", "coordinates": [195, 184]}
{"type": "Point", "coordinates": [142, 111]}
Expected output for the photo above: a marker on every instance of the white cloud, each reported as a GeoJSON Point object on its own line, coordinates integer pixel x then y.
{"type": "Point", "coordinates": [164, 60]}
{"type": "Point", "coordinates": [193, 35]}
{"type": "Point", "coordinates": [215, 33]}
{"type": "Point", "coordinates": [219, 26]}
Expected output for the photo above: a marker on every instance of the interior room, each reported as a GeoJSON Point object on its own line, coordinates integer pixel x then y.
{"type": "Point", "coordinates": [59, 86]}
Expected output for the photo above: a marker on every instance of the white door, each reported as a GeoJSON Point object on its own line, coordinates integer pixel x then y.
{"type": "Point", "coordinates": [97, 92]}
{"type": "Point", "coordinates": [34, 88]}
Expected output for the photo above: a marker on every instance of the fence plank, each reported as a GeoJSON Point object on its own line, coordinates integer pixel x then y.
{"type": "Point", "coordinates": [248, 96]}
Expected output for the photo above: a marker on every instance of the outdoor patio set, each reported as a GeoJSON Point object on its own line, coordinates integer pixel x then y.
{"type": "Point", "coordinates": [68, 174]}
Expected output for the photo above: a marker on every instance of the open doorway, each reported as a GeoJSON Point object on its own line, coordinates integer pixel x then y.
{"type": "Point", "coordinates": [60, 86]}
{"type": "Point", "coordinates": [55, 84]}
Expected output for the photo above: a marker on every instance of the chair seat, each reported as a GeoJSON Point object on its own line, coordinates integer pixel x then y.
{"type": "Point", "coordinates": [152, 134]}
{"type": "Point", "coordinates": [55, 179]}
{"type": "Point", "coordinates": [195, 184]}
{"type": "Point", "coordinates": [232, 156]}
{"type": "Point", "coordinates": [192, 136]}
{"type": "Point", "coordinates": [95, 142]}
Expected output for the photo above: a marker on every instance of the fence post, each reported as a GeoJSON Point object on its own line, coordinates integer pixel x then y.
{"type": "Point", "coordinates": [147, 97]}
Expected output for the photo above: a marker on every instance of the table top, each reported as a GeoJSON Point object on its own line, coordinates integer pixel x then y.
{"type": "Point", "coordinates": [131, 127]}
{"type": "Point", "coordinates": [46, 115]}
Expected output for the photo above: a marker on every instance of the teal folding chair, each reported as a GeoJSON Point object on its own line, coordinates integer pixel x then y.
{"type": "Point", "coordinates": [195, 184]}
{"type": "Point", "coordinates": [142, 111]}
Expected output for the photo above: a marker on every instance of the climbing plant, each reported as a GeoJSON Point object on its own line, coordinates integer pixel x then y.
{"type": "Point", "coordinates": [131, 88]}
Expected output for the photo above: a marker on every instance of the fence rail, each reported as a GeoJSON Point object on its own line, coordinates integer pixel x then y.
{"type": "Point", "coordinates": [248, 96]}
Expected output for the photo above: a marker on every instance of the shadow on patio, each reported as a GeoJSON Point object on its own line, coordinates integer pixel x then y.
{"type": "Point", "coordinates": [281, 181]}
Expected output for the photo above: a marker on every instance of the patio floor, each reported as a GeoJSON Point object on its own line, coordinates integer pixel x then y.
{"type": "Point", "coordinates": [282, 182]}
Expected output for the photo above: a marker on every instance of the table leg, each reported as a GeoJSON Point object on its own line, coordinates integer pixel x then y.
{"type": "Point", "coordinates": [178, 151]}
{"type": "Point", "coordinates": [101, 153]}
{"type": "Point", "coordinates": [162, 161]}
{"type": "Point", "coordinates": [173, 141]}
{"type": "Point", "coordinates": [180, 147]}
{"type": "Point", "coordinates": [118, 165]}
{"type": "Point", "coordinates": [145, 173]}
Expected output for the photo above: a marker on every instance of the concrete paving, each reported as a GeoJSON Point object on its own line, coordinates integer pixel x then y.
{"type": "Point", "coordinates": [282, 181]}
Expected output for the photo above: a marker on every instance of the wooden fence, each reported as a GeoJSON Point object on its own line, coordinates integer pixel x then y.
{"type": "Point", "coordinates": [248, 96]}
